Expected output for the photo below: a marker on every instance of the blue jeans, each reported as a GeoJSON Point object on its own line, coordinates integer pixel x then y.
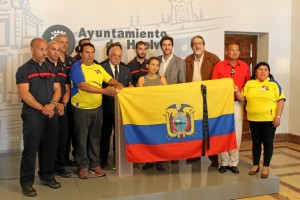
{"type": "Point", "coordinates": [87, 127]}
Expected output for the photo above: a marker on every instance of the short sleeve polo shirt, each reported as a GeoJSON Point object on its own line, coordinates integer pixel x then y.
{"type": "Point", "coordinates": [93, 75]}
{"type": "Point", "coordinates": [262, 98]}
{"type": "Point", "coordinates": [41, 80]}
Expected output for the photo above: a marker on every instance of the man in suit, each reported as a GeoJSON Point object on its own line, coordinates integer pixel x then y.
{"type": "Point", "coordinates": [122, 74]}
{"type": "Point", "coordinates": [172, 67]}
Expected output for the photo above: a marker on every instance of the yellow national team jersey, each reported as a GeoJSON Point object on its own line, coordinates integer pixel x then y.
{"type": "Point", "coordinates": [94, 75]}
{"type": "Point", "coordinates": [262, 98]}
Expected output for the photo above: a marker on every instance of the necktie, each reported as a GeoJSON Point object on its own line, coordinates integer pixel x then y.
{"type": "Point", "coordinates": [116, 73]}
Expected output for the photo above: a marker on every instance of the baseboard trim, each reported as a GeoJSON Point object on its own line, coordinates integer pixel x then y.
{"type": "Point", "coordinates": [279, 137]}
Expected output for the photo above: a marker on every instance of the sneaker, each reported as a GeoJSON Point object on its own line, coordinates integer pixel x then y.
{"type": "Point", "coordinates": [97, 172]}
{"type": "Point", "coordinates": [83, 173]}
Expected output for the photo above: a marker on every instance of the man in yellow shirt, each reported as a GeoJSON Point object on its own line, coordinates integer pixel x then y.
{"type": "Point", "coordinates": [86, 99]}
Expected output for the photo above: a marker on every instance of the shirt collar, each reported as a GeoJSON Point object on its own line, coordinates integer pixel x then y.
{"type": "Point", "coordinates": [168, 60]}
{"type": "Point", "coordinates": [265, 81]}
{"type": "Point", "coordinates": [237, 63]}
{"type": "Point", "coordinates": [201, 58]}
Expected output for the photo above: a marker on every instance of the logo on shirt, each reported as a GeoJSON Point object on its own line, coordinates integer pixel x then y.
{"type": "Point", "coordinates": [180, 120]}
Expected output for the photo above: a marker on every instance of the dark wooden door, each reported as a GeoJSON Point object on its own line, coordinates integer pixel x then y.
{"type": "Point", "coordinates": [248, 50]}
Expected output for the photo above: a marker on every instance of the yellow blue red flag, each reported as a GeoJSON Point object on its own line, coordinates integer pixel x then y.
{"type": "Point", "coordinates": [166, 122]}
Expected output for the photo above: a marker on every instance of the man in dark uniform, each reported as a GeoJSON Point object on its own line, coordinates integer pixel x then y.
{"type": "Point", "coordinates": [39, 91]}
{"type": "Point", "coordinates": [137, 65]}
{"type": "Point", "coordinates": [67, 61]}
{"type": "Point", "coordinates": [61, 71]}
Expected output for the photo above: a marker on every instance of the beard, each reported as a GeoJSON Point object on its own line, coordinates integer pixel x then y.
{"type": "Point", "coordinates": [141, 56]}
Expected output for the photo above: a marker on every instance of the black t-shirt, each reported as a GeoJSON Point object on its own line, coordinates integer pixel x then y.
{"type": "Point", "coordinates": [137, 69]}
{"type": "Point", "coordinates": [62, 74]}
{"type": "Point", "coordinates": [41, 80]}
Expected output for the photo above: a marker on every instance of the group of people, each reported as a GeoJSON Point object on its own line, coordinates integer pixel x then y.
{"type": "Point", "coordinates": [71, 100]}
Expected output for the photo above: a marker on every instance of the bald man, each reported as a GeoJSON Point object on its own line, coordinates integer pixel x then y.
{"type": "Point", "coordinates": [54, 51]}
{"type": "Point", "coordinates": [39, 91]}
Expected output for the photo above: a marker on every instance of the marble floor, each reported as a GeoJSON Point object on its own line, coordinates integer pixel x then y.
{"type": "Point", "coordinates": [285, 164]}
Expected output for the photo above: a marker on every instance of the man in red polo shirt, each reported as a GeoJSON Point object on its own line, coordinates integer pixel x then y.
{"type": "Point", "coordinates": [239, 71]}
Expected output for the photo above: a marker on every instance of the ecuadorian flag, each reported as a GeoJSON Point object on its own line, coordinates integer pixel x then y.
{"type": "Point", "coordinates": [166, 122]}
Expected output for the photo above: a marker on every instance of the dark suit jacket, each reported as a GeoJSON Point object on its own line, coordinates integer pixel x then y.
{"type": "Point", "coordinates": [125, 78]}
{"type": "Point", "coordinates": [176, 70]}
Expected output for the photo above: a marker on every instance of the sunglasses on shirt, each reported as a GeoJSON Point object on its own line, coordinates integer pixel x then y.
{"type": "Point", "coordinates": [232, 71]}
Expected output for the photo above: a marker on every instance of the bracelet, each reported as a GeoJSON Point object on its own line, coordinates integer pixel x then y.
{"type": "Point", "coordinates": [53, 102]}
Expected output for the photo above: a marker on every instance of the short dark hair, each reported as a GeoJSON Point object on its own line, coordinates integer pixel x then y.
{"type": "Point", "coordinates": [84, 45]}
{"type": "Point", "coordinates": [140, 43]}
{"type": "Point", "coordinates": [77, 48]}
{"type": "Point", "coordinates": [166, 37]}
{"type": "Point", "coordinates": [262, 64]}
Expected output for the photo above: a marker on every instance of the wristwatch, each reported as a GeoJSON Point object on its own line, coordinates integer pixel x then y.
{"type": "Point", "coordinates": [278, 116]}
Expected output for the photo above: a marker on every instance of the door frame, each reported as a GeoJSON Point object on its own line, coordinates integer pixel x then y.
{"type": "Point", "coordinates": [262, 55]}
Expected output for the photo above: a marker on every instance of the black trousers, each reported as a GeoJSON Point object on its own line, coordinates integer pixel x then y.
{"type": "Point", "coordinates": [262, 133]}
{"type": "Point", "coordinates": [71, 135]}
{"type": "Point", "coordinates": [60, 161]}
{"type": "Point", "coordinates": [107, 127]}
{"type": "Point", "coordinates": [39, 135]}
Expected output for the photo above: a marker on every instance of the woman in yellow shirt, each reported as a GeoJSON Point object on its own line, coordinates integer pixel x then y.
{"type": "Point", "coordinates": [265, 103]}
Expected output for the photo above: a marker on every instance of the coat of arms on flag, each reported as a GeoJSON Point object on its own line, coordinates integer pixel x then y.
{"type": "Point", "coordinates": [166, 122]}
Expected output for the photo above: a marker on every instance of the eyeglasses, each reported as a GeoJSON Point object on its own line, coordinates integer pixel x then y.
{"type": "Point", "coordinates": [198, 44]}
{"type": "Point", "coordinates": [232, 71]}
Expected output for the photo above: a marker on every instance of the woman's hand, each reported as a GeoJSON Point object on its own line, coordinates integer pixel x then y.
{"type": "Point", "coordinates": [276, 122]}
